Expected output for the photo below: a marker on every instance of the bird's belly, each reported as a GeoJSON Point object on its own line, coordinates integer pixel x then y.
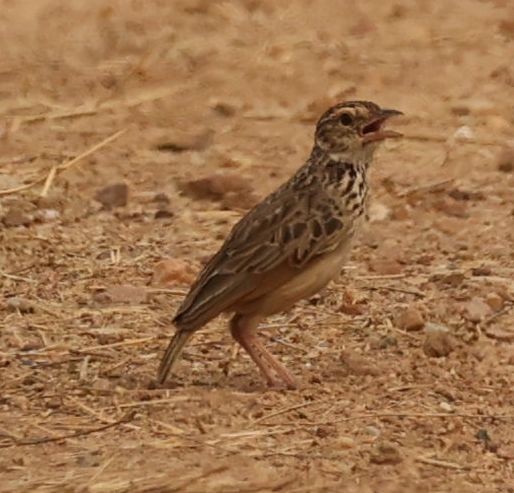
{"type": "Point", "coordinates": [304, 284]}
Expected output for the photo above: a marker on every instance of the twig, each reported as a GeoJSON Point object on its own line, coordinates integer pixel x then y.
{"type": "Point", "coordinates": [102, 469]}
{"type": "Point", "coordinates": [289, 409]}
{"type": "Point", "coordinates": [128, 342]}
{"type": "Point", "coordinates": [48, 179]}
{"type": "Point", "coordinates": [397, 415]}
{"type": "Point", "coordinates": [153, 402]}
{"type": "Point", "coordinates": [173, 292]}
{"type": "Point", "coordinates": [391, 288]}
{"type": "Point", "coordinates": [15, 278]}
{"type": "Point", "coordinates": [37, 441]}
{"type": "Point", "coordinates": [288, 344]}
{"type": "Point", "coordinates": [63, 166]}
{"type": "Point", "coordinates": [426, 188]}
{"type": "Point", "coordinates": [441, 463]}
{"type": "Point", "coordinates": [425, 415]}
{"type": "Point", "coordinates": [381, 276]}
{"type": "Point", "coordinates": [444, 139]}
{"type": "Point", "coordinates": [497, 314]}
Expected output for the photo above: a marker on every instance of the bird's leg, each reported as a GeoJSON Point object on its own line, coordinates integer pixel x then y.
{"type": "Point", "coordinates": [242, 328]}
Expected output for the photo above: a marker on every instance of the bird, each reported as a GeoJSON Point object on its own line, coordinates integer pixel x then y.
{"type": "Point", "coordinates": [292, 243]}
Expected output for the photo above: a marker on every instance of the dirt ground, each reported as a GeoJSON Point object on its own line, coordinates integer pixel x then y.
{"type": "Point", "coordinates": [405, 364]}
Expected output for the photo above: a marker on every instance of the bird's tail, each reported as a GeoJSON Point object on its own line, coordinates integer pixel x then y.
{"type": "Point", "coordinates": [172, 353]}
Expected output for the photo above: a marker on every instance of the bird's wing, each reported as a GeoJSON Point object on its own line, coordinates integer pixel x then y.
{"type": "Point", "coordinates": [275, 239]}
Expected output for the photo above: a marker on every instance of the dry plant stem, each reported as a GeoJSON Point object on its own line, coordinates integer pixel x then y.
{"type": "Point", "coordinates": [441, 463]}
{"type": "Point", "coordinates": [502, 417]}
{"type": "Point", "coordinates": [444, 139]}
{"type": "Point", "coordinates": [414, 292]}
{"type": "Point", "coordinates": [48, 179]}
{"type": "Point", "coordinates": [15, 278]}
{"type": "Point", "coordinates": [68, 164]}
{"type": "Point", "coordinates": [289, 409]}
{"type": "Point", "coordinates": [427, 187]}
{"type": "Point", "coordinates": [37, 441]}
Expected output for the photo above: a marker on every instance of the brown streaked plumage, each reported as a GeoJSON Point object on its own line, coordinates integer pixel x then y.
{"type": "Point", "coordinates": [291, 244]}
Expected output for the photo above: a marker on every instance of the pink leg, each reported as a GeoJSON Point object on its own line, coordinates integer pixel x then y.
{"type": "Point", "coordinates": [242, 328]}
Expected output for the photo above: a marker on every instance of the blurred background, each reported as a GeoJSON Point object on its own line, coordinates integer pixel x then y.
{"type": "Point", "coordinates": [133, 134]}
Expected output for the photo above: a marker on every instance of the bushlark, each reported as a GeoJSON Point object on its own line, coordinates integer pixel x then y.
{"type": "Point", "coordinates": [291, 244]}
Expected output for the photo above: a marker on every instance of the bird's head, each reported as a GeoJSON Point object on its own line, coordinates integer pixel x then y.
{"type": "Point", "coordinates": [353, 127]}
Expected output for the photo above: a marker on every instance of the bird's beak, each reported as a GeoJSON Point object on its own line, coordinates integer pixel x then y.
{"type": "Point", "coordinates": [374, 131]}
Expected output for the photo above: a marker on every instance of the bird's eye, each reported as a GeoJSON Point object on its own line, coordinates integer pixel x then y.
{"type": "Point", "coordinates": [346, 119]}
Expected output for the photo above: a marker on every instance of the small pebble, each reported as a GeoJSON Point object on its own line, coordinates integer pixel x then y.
{"type": "Point", "coordinates": [446, 407]}
{"type": "Point", "coordinates": [495, 301]}
{"type": "Point", "coordinates": [438, 341]}
{"type": "Point", "coordinates": [464, 133]}
{"type": "Point", "coordinates": [373, 431]}
{"type": "Point", "coordinates": [410, 318]}
{"type": "Point", "coordinates": [115, 195]}
{"type": "Point", "coordinates": [345, 442]}
{"type": "Point", "coordinates": [506, 160]}
{"type": "Point", "coordinates": [18, 304]}
{"type": "Point", "coordinates": [163, 214]}
{"type": "Point", "coordinates": [385, 454]}
{"type": "Point", "coordinates": [15, 217]}
{"type": "Point", "coordinates": [169, 272]}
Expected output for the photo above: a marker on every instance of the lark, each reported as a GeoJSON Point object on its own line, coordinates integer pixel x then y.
{"type": "Point", "coordinates": [291, 244]}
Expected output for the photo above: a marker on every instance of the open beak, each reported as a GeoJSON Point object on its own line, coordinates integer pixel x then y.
{"type": "Point", "coordinates": [374, 131]}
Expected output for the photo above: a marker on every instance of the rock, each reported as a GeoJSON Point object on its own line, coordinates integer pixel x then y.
{"type": "Point", "coordinates": [115, 195]}
{"type": "Point", "coordinates": [446, 407]}
{"type": "Point", "coordinates": [506, 160]}
{"type": "Point", "coordinates": [452, 278]}
{"type": "Point", "coordinates": [438, 341]}
{"type": "Point", "coordinates": [351, 308]}
{"type": "Point", "coordinates": [15, 217]}
{"type": "Point", "coordinates": [171, 272]}
{"type": "Point", "coordinates": [400, 212]}
{"type": "Point", "coordinates": [46, 215]}
{"type": "Point", "coordinates": [122, 294]}
{"type": "Point", "coordinates": [54, 402]}
{"type": "Point", "coordinates": [161, 198]}
{"type": "Point", "coordinates": [325, 431]}
{"type": "Point", "coordinates": [481, 271]}
{"type": "Point", "coordinates": [459, 194]}
{"type": "Point", "coordinates": [225, 108]}
{"type": "Point", "coordinates": [385, 454]}
{"type": "Point", "coordinates": [378, 212]}
{"type": "Point", "coordinates": [495, 301]}
{"type": "Point", "coordinates": [506, 27]}
{"type": "Point", "coordinates": [410, 318]}
{"type": "Point", "coordinates": [464, 133]}
{"type": "Point", "coordinates": [451, 207]}
{"type": "Point", "coordinates": [186, 142]}
{"type": "Point", "coordinates": [476, 309]}
{"type": "Point", "coordinates": [385, 266]}
{"type": "Point", "coordinates": [383, 342]}
{"type": "Point", "coordinates": [217, 186]}
{"type": "Point", "coordinates": [372, 431]}
{"type": "Point", "coordinates": [345, 442]}
{"type": "Point", "coordinates": [357, 364]}
{"type": "Point", "coordinates": [163, 214]}
{"type": "Point", "coordinates": [460, 110]}
{"type": "Point", "coordinates": [18, 304]}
